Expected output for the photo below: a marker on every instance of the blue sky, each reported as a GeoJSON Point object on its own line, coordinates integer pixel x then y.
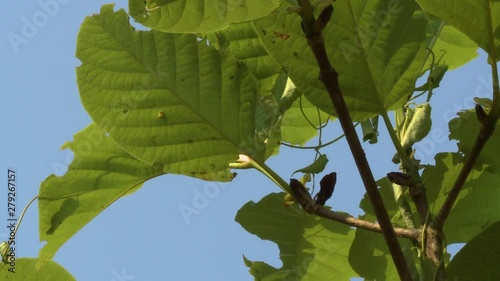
{"type": "Point", "coordinates": [144, 236]}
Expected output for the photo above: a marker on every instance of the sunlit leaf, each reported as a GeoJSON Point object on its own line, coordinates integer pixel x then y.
{"type": "Point", "coordinates": [478, 19]}
{"type": "Point", "coordinates": [465, 129]}
{"type": "Point", "coordinates": [478, 259]}
{"type": "Point", "coordinates": [241, 41]}
{"type": "Point", "coordinates": [455, 47]}
{"type": "Point", "coordinates": [166, 98]}
{"type": "Point", "coordinates": [370, 257]}
{"type": "Point", "coordinates": [477, 205]}
{"type": "Point", "coordinates": [188, 16]}
{"type": "Point", "coordinates": [311, 248]}
{"type": "Point", "coordinates": [378, 48]}
{"type": "Point", "coordinates": [101, 173]}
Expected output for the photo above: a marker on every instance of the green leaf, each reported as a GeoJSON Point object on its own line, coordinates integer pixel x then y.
{"type": "Point", "coordinates": [458, 48]}
{"type": "Point", "coordinates": [387, 197]}
{"type": "Point", "coordinates": [30, 269]}
{"type": "Point", "coordinates": [315, 168]}
{"type": "Point", "coordinates": [377, 57]}
{"type": "Point", "coordinates": [183, 16]}
{"type": "Point", "coordinates": [100, 174]}
{"type": "Point", "coordinates": [166, 98]}
{"type": "Point", "coordinates": [311, 248]}
{"type": "Point", "coordinates": [241, 41]}
{"type": "Point", "coordinates": [476, 205]}
{"type": "Point", "coordinates": [465, 129]}
{"type": "Point", "coordinates": [370, 257]}
{"type": "Point", "coordinates": [478, 259]}
{"type": "Point", "coordinates": [478, 19]}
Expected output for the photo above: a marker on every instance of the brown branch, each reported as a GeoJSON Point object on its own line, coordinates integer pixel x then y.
{"type": "Point", "coordinates": [312, 206]}
{"type": "Point", "coordinates": [359, 223]}
{"type": "Point", "coordinates": [329, 77]}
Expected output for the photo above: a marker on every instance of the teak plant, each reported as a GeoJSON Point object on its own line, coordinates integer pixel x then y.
{"type": "Point", "coordinates": [207, 89]}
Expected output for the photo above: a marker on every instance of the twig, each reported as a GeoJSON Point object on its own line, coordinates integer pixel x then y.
{"type": "Point", "coordinates": [359, 223]}
{"type": "Point", "coordinates": [329, 77]}
{"type": "Point", "coordinates": [311, 206]}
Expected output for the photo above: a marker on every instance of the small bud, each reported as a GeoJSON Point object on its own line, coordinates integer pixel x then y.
{"type": "Point", "coordinates": [327, 185]}
{"type": "Point", "coordinates": [400, 178]}
{"type": "Point", "coordinates": [299, 192]}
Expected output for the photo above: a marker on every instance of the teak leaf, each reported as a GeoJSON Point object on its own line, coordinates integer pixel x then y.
{"type": "Point", "coordinates": [317, 251]}
{"type": "Point", "coordinates": [101, 173]}
{"type": "Point", "coordinates": [477, 204]}
{"type": "Point", "coordinates": [478, 19]}
{"type": "Point", "coordinates": [378, 58]}
{"type": "Point", "coordinates": [478, 259]}
{"type": "Point", "coordinates": [187, 16]}
{"type": "Point", "coordinates": [167, 98]}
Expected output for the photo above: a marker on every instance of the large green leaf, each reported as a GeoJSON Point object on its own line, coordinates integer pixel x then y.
{"type": "Point", "coordinates": [166, 98]}
{"type": "Point", "coordinates": [29, 269]}
{"type": "Point", "coordinates": [477, 204]}
{"type": "Point", "coordinates": [465, 129]}
{"type": "Point", "coordinates": [455, 47]}
{"type": "Point", "coordinates": [371, 259]}
{"type": "Point", "coordinates": [188, 16]}
{"type": "Point", "coordinates": [478, 19]}
{"type": "Point", "coordinates": [311, 248]}
{"type": "Point", "coordinates": [377, 46]}
{"type": "Point", "coordinates": [478, 260]}
{"type": "Point", "coordinates": [277, 101]}
{"type": "Point", "coordinates": [100, 173]}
